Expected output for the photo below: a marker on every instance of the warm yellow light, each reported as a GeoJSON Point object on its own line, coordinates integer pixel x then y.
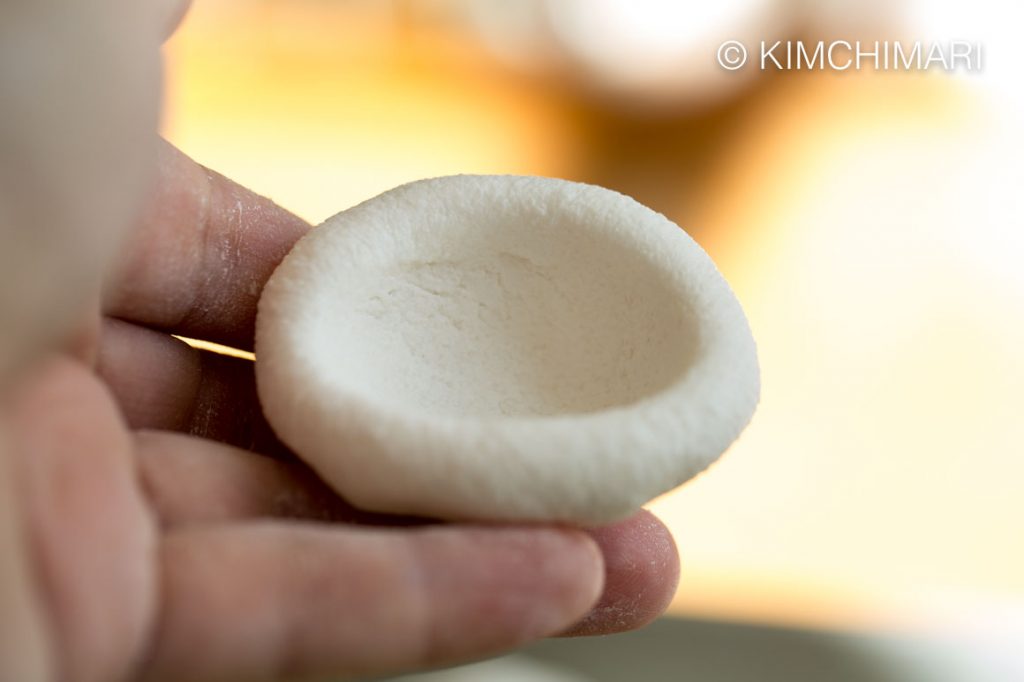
{"type": "Point", "coordinates": [867, 227]}
{"type": "Point", "coordinates": [321, 108]}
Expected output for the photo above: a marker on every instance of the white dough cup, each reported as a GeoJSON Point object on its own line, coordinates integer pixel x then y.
{"type": "Point", "coordinates": [503, 348]}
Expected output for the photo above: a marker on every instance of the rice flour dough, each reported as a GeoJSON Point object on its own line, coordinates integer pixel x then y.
{"type": "Point", "coordinates": [503, 348]}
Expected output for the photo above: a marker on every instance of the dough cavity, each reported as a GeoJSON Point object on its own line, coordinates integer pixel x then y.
{"type": "Point", "coordinates": [557, 323]}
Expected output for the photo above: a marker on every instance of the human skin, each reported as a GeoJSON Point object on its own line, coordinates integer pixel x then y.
{"type": "Point", "coordinates": [80, 87]}
{"type": "Point", "coordinates": [151, 526]}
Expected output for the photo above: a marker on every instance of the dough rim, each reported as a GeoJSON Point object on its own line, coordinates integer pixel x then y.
{"type": "Point", "coordinates": [586, 469]}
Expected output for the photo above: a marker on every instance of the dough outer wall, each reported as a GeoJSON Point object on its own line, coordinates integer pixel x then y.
{"type": "Point", "coordinates": [503, 348]}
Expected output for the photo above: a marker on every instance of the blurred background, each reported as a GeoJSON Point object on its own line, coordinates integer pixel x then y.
{"type": "Point", "coordinates": [871, 223]}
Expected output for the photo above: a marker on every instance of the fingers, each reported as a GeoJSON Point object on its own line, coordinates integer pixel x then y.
{"type": "Point", "coordinates": [191, 481]}
{"type": "Point", "coordinates": [154, 376]}
{"type": "Point", "coordinates": [641, 575]}
{"type": "Point", "coordinates": [163, 383]}
{"type": "Point", "coordinates": [198, 262]}
{"type": "Point", "coordinates": [83, 341]}
{"type": "Point", "coordinates": [195, 481]}
{"type": "Point", "coordinates": [90, 532]}
{"type": "Point", "coordinates": [25, 646]}
{"type": "Point", "coordinates": [269, 601]}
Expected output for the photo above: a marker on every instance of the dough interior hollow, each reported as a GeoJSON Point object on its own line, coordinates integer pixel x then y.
{"type": "Point", "coordinates": [519, 316]}
{"type": "Point", "coordinates": [502, 347]}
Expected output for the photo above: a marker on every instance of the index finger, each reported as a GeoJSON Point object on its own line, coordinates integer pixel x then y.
{"type": "Point", "coordinates": [201, 255]}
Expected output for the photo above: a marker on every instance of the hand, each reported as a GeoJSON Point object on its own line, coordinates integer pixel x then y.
{"type": "Point", "coordinates": [162, 546]}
